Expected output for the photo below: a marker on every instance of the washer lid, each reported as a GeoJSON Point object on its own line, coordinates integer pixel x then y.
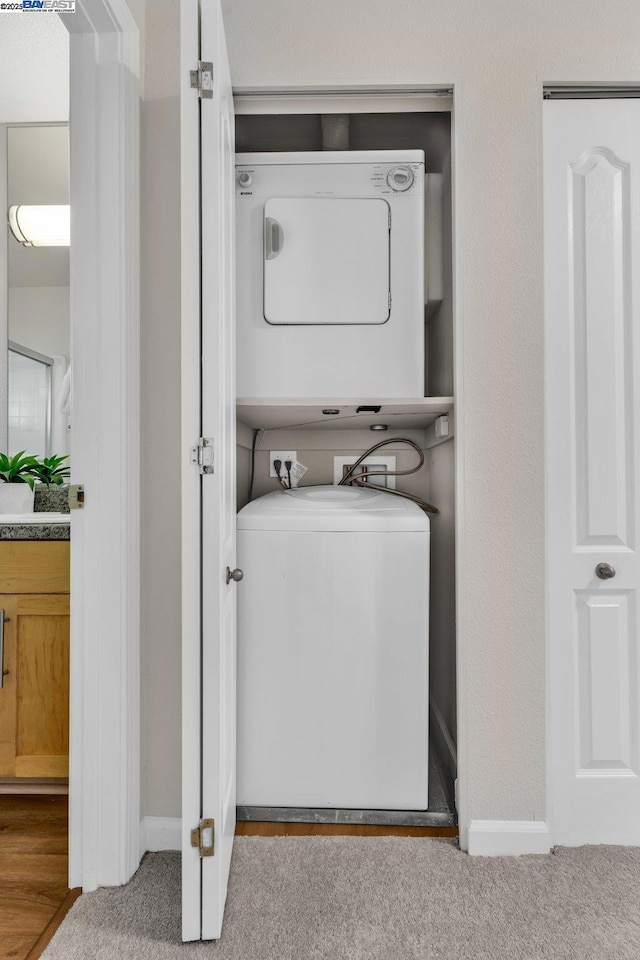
{"type": "Point", "coordinates": [339, 508]}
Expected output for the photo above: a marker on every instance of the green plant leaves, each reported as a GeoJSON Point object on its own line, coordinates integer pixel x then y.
{"type": "Point", "coordinates": [18, 469]}
{"type": "Point", "coordinates": [52, 470]}
{"type": "Point", "coordinates": [28, 469]}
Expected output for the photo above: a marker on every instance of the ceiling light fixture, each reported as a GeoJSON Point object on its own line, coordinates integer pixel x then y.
{"type": "Point", "coordinates": [41, 226]}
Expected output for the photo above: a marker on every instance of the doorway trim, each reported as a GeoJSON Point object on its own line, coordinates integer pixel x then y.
{"type": "Point", "coordinates": [104, 766]}
{"type": "Point", "coordinates": [434, 98]}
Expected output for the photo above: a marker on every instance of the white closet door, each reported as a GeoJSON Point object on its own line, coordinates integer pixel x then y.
{"type": "Point", "coordinates": [592, 330]}
{"type": "Point", "coordinates": [326, 261]}
{"type": "Point", "coordinates": [209, 508]}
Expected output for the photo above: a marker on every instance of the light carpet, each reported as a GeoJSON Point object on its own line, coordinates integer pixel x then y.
{"type": "Point", "coordinates": [346, 898]}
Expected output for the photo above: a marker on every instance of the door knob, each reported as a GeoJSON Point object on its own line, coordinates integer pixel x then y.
{"type": "Point", "coordinates": [604, 571]}
{"type": "Point", "coordinates": [236, 574]}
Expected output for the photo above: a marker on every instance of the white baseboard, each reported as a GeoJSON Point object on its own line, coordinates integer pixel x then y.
{"type": "Point", "coordinates": [160, 833]}
{"type": "Point", "coordinates": [487, 838]}
{"type": "Point", "coordinates": [508, 838]}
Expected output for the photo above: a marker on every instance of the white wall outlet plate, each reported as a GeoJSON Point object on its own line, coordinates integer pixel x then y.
{"type": "Point", "coordinates": [281, 455]}
{"type": "Point", "coordinates": [373, 463]}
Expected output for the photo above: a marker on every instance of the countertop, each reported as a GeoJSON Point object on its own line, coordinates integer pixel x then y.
{"type": "Point", "coordinates": [34, 531]}
{"type": "Point", "coordinates": [52, 500]}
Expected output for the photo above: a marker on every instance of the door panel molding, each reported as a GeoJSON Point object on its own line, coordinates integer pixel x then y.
{"type": "Point", "coordinates": [607, 691]}
{"type": "Point", "coordinates": [600, 235]}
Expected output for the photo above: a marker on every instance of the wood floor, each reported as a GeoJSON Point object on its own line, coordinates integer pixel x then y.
{"type": "Point", "coordinates": [256, 828]}
{"type": "Point", "coordinates": [34, 896]}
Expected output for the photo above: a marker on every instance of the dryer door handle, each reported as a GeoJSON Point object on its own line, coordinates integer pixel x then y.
{"type": "Point", "coordinates": [273, 238]}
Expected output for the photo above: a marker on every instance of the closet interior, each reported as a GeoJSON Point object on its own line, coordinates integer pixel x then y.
{"type": "Point", "coordinates": [327, 430]}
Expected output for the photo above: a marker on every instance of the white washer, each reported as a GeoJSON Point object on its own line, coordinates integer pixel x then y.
{"type": "Point", "coordinates": [330, 274]}
{"type": "Point", "coordinates": [333, 650]}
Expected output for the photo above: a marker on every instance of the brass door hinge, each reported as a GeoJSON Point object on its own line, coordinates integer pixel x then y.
{"type": "Point", "coordinates": [203, 837]}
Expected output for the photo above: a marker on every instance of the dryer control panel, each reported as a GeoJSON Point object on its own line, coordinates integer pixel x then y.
{"type": "Point", "coordinates": [319, 176]}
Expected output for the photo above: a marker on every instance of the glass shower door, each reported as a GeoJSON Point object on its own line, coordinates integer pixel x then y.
{"type": "Point", "coordinates": [29, 401]}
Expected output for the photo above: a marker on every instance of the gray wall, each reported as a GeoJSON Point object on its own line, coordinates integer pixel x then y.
{"type": "Point", "coordinates": [442, 593]}
{"type": "Point", "coordinates": [499, 53]}
{"type": "Point", "coordinates": [316, 450]}
{"type": "Point", "coordinates": [160, 412]}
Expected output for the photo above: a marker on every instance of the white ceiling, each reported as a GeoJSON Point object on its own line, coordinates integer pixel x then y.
{"type": "Point", "coordinates": [34, 68]}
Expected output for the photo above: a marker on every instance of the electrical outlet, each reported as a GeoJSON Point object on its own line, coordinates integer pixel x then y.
{"type": "Point", "coordinates": [281, 455]}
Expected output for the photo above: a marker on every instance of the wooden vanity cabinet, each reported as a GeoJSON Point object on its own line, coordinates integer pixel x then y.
{"type": "Point", "coordinates": [34, 697]}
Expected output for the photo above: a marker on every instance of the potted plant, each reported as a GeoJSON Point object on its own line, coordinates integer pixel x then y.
{"type": "Point", "coordinates": [16, 490]}
{"type": "Point", "coordinates": [52, 471]}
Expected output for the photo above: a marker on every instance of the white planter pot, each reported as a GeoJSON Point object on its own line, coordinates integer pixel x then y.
{"type": "Point", "coordinates": [16, 498]}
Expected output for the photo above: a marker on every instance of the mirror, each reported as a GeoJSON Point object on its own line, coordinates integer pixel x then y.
{"type": "Point", "coordinates": [38, 322]}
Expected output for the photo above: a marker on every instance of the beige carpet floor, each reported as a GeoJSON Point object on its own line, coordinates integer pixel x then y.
{"type": "Point", "coordinates": [345, 898]}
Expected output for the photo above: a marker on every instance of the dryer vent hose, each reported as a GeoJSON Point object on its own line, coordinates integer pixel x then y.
{"type": "Point", "coordinates": [335, 131]}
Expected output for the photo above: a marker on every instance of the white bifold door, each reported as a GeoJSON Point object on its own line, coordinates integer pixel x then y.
{"type": "Point", "coordinates": [208, 456]}
{"type": "Point", "coordinates": [592, 333]}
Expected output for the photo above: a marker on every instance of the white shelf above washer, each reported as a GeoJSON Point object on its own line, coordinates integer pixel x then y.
{"type": "Point", "coordinates": [269, 413]}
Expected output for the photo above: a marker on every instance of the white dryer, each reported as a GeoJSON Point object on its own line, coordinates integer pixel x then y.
{"type": "Point", "coordinates": [330, 274]}
{"type": "Point", "coordinates": [333, 650]}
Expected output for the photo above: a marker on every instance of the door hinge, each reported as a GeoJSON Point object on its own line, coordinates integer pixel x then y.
{"type": "Point", "coordinates": [203, 837]}
{"type": "Point", "coordinates": [201, 79]}
{"type": "Point", "coordinates": [202, 455]}
{"type": "Point", "coordinates": [389, 218]}
{"type": "Point", "coordinates": [389, 301]}
{"type": "Point", "coordinates": [76, 496]}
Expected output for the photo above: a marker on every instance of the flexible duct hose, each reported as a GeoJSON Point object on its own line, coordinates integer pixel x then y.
{"type": "Point", "coordinates": [353, 478]}
{"type": "Point", "coordinates": [335, 131]}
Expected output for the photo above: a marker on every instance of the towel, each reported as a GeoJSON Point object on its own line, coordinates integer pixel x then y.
{"type": "Point", "coordinates": [64, 397]}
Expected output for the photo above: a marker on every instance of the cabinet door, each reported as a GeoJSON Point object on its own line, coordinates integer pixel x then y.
{"type": "Point", "coordinates": [41, 664]}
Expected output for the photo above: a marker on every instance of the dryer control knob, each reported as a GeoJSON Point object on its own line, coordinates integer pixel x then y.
{"type": "Point", "coordinates": [245, 179]}
{"type": "Point", "coordinates": [400, 178]}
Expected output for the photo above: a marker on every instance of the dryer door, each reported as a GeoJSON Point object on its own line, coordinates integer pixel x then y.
{"type": "Point", "coordinates": [326, 261]}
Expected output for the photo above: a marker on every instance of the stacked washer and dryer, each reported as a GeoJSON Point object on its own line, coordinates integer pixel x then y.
{"type": "Point", "coordinates": [333, 614]}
